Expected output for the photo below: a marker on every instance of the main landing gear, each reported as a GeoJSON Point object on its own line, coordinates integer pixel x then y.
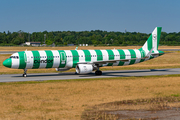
{"type": "Point", "coordinates": [25, 75]}
{"type": "Point", "coordinates": [98, 72]}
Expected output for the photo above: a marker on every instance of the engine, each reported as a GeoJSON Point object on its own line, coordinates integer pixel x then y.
{"type": "Point", "coordinates": [62, 69]}
{"type": "Point", "coordinates": [84, 68]}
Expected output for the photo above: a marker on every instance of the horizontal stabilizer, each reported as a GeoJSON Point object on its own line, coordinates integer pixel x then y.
{"type": "Point", "coordinates": [149, 54]}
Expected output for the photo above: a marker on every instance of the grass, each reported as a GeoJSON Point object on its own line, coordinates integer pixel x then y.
{"type": "Point", "coordinates": [69, 99]}
{"type": "Point", "coordinates": [79, 48]}
{"type": "Point", "coordinates": [66, 48]}
{"type": "Point", "coordinates": [115, 110]}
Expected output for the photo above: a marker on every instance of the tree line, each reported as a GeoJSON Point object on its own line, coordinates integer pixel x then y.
{"type": "Point", "coordinates": [93, 37]}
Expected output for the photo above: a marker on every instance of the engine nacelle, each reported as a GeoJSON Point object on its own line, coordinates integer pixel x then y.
{"type": "Point", "coordinates": [62, 69]}
{"type": "Point", "coordinates": [84, 68]}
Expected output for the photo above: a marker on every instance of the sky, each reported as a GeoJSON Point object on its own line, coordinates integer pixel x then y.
{"type": "Point", "coordinates": [86, 15]}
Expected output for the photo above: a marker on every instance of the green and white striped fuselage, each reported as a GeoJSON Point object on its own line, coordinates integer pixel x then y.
{"type": "Point", "coordinates": [70, 58]}
{"type": "Point", "coordinates": [85, 61]}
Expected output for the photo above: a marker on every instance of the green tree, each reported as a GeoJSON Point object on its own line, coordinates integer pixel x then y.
{"type": "Point", "coordinates": [49, 42]}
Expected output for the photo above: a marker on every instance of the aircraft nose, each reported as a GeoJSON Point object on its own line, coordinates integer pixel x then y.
{"type": "Point", "coordinates": [7, 63]}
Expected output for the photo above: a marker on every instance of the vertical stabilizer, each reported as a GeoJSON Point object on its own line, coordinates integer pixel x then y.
{"type": "Point", "coordinates": [153, 41]}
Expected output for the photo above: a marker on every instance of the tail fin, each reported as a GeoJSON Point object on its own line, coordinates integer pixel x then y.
{"type": "Point", "coordinates": [153, 41]}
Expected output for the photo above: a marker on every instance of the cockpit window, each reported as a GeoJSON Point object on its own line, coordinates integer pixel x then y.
{"type": "Point", "coordinates": [15, 57]}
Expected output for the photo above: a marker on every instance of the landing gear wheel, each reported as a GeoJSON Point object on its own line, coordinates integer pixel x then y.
{"type": "Point", "coordinates": [98, 72]}
{"type": "Point", "coordinates": [24, 75]}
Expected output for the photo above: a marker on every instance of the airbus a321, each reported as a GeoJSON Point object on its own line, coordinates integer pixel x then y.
{"type": "Point", "coordinates": [85, 61]}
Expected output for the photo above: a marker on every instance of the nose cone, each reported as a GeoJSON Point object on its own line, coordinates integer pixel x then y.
{"type": "Point", "coordinates": [7, 63]}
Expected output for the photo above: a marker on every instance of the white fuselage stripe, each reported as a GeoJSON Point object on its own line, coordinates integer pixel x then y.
{"type": "Point", "coordinates": [15, 62]}
{"type": "Point", "coordinates": [29, 62]}
{"type": "Point", "coordinates": [127, 53]}
{"type": "Point", "coordinates": [82, 56]}
{"type": "Point", "coordinates": [69, 62]}
{"type": "Point", "coordinates": [43, 57]}
{"type": "Point", "coordinates": [56, 61]}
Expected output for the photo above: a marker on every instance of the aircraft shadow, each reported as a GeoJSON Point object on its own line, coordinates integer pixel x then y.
{"type": "Point", "coordinates": [118, 73]}
{"type": "Point", "coordinates": [105, 73]}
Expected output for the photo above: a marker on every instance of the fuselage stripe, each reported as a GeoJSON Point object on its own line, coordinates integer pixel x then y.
{"type": "Point", "coordinates": [87, 55]}
{"type": "Point", "coordinates": [75, 56]}
{"type": "Point", "coordinates": [36, 56]}
{"type": "Point", "coordinates": [110, 56]}
{"type": "Point", "coordinates": [22, 63]}
{"type": "Point", "coordinates": [133, 55]}
{"type": "Point", "coordinates": [99, 55]}
{"type": "Point", "coordinates": [122, 56]}
{"type": "Point", "coordinates": [50, 59]}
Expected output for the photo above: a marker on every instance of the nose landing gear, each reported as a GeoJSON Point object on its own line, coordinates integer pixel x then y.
{"type": "Point", "coordinates": [25, 75]}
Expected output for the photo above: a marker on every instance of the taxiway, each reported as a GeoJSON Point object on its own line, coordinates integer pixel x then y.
{"type": "Point", "coordinates": [71, 75]}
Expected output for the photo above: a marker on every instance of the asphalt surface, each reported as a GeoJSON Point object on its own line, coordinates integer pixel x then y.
{"type": "Point", "coordinates": [169, 49]}
{"type": "Point", "coordinates": [71, 75]}
{"type": "Point", "coordinates": [8, 52]}
{"type": "Point", "coordinates": [11, 52]}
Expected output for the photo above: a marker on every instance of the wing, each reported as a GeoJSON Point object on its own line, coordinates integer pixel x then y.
{"type": "Point", "coordinates": [104, 62]}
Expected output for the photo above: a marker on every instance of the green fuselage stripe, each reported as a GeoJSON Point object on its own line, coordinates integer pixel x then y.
{"type": "Point", "coordinates": [50, 58]}
{"type": "Point", "coordinates": [62, 55]}
{"type": "Point", "coordinates": [75, 57]}
{"type": "Point", "coordinates": [149, 43]}
{"type": "Point", "coordinates": [87, 55]}
{"type": "Point", "coordinates": [22, 63]}
{"type": "Point", "coordinates": [36, 56]}
{"type": "Point", "coordinates": [158, 35]}
{"type": "Point", "coordinates": [122, 56]}
{"type": "Point", "coordinates": [99, 55]}
{"type": "Point", "coordinates": [133, 55]}
{"type": "Point", "coordinates": [142, 54]}
{"type": "Point", "coordinates": [111, 56]}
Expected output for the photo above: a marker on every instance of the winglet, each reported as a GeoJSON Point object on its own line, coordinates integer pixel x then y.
{"type": "Point", "coordinates": [76, 48]}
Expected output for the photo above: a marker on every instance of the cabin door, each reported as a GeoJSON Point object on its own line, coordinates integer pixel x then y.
{"type": "Point", "coordinates": [63, 58]}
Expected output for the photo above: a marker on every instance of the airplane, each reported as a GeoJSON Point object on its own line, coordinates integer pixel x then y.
{"type": "Point", "coordinates": [85, 61]}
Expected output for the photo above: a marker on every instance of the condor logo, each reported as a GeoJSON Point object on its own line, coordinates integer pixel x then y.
{"type": "Point", "coordinates": [43, 61]}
